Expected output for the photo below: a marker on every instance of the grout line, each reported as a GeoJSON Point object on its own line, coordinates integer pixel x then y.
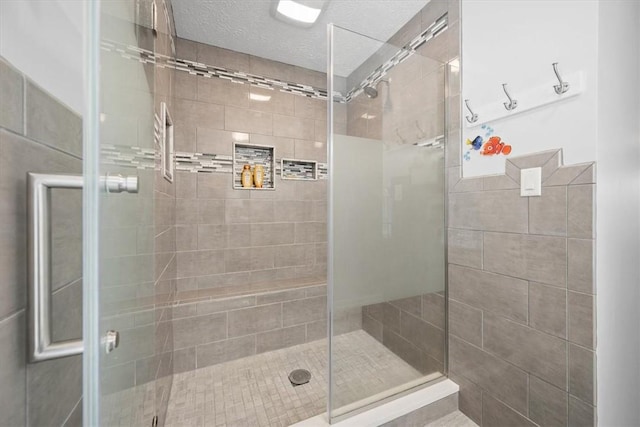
{"type": "Point", "coordinates": [13, 315]}
{"type": "Point", "coordinates": [65, 286]}
{"type": "Point", "coordinates": [24, 105]}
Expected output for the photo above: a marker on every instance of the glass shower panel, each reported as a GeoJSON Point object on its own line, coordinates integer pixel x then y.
{"type": "Point", "coordinates": [123, 288]}
{"type": "Point", "coordinates": [386, 231]}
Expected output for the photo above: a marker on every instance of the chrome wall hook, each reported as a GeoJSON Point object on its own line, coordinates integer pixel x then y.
{"type": "Point", "coordinates": [563, 86]}
{"type": "Point", "coordinates": [473, 117]}
{"type": "Point", "coordinates": [513, 103]}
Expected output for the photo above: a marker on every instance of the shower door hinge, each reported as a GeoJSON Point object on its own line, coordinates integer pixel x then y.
{"type": "Point", "coordinates": [154, 421]}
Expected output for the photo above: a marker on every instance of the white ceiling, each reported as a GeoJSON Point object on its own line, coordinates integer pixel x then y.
{"type": "Point", "coordinates": [247, 26]}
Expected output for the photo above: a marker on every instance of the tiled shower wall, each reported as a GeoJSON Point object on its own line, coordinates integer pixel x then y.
{"type": "Point", "coordinates": [228, 237]}
{"type": "Point", "coordinates": [38, 134]}
{"type": "Point", "coordinates": [522, 295]}
{"type": "Point", "coordinates": [244, 256]}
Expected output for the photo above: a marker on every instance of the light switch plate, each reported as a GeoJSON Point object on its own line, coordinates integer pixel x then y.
{"type": "Point", "coordinates": [531, 182]}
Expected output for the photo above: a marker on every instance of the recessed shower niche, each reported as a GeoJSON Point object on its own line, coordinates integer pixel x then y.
{"type": "Point", "coordinates": [254, 155]}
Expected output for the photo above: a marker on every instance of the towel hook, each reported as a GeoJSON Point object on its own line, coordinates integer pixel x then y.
{"type": "Point", "coordinates": [513, 103]}
{"type": "Point", "coordinates": [473, 117]}
{"type": "Point", "coordinates": [563, 86]}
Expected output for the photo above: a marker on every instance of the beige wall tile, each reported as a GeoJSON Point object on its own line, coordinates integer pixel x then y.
{"type": "Point", "coordinates": [580, 265]}
{"type": "Point", "coordinates": [469, 398]}
{"type": "Point", "coordinates": [280, 338]}
{"type": "Point", "coordinates": [582, 365]}
{"type": "Point", "coordinates": [410, 353]}
{"type": "Point", "coordinates": [477, 211]}
{"type": "Point", "coordinates": [581, 414]}
{"type": "Point", "coordinates": [213, 55]}
{"type": "Point", "coordinates": [581, 315]}
{"type": "Point", "coordinates": [255, 319]}
{"type": "Point", "coordinates": [465, 247]}
{"type": "Point", "coordinates": [293, 127]}
{"type": "Point", "coordinates": [224, 351]}
{"type": "Point", "coordinates": [489, 372]}
{"type": "Point", "coordinates": [537, 258]}
{"type": "Point", "coordinates": [11, 105]}
{"type": "Point", "coordinates": [272, 101]}
{"type": "Point", "coordinates": [215, 141]}
{"type": "Point", "coordinates": [433, 309]}
{"type": "Point", "coordinates": [278, 233]}
{"type": "Point", "coordinates": [191, 114]}
{"type": "Point", "coordinates": [502, 295]}
{"type": "Point", "coordinates": [547, 404]}
{"type": "Point", "coordinates": [495, 413]}
{"type": "Point", "coordinates": [535, 352]}
{"type": "Point", "coordinates": [223, 92]}
{"type": "Point", "coordinates": [192, 331]}
{"type": "Point", "coordinates": [581, 211]}
{"type": "Point", "coordinates": [50, 122]}
{"type": "Point", "coordinates": [242, 120]}
{"type": "Point", "coordinates": [304, 311]}
{"type": "Point", "coordinates": [386, 314]}
{"type": "Point", "coordinates": [465, 322]}
{"type": "Point", "coordinates": [548, 309]}
{"type": "Point", "coordinates": [13, 370]}
{"type": "Point", "coordinates": [548, 213]}
{"type": "Point", "coordinates": [423, 335]}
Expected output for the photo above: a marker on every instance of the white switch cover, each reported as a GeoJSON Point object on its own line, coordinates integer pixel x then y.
{"type": "Point", "coordinates": [531, 182]}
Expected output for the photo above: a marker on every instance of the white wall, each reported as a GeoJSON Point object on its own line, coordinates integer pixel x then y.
{"type": "Point", "coordinates": [618, 215]}
{"type": "Point", "coordinates": [44, 40]}
{"type": "Point", "coordinates": [515, 42]}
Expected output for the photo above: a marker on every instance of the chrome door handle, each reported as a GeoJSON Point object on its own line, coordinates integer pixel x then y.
{"type": "Point", "coordinates": [39, 235]}
{"type": "Point", "coordinates": [41, 346]}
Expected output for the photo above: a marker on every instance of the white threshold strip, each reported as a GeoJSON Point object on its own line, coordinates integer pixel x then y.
{"type": "Point", "coordinates": [388, 411]}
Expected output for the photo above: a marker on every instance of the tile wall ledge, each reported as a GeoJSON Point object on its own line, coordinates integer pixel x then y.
{"type": "Point", "coordinates": [188, 297]}
{"type": "Point", "coordinates": [554, 173]}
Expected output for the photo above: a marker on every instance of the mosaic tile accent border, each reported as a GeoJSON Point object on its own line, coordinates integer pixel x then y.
{"type": "Point", "coordinates": [204, 70]}
{"type": "Point", "coordinates": [438, 27]}
{"type": "Point", "coordinates": [200, 69]}
{"type": "Point", "coordinates": [131, 157]}
{"type": "Point", "coordinates": [202, 162]}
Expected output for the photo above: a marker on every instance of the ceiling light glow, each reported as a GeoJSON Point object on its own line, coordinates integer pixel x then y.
{"type": "Point", "coordinates": [257, 97]}
{"type": "Point", "coordinates": [298, 12]}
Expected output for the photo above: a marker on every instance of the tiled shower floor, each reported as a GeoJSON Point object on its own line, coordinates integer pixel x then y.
{"type": "Point", "coordinates": [255, 391]}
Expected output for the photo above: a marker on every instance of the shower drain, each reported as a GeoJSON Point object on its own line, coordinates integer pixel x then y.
{"type": "Point", "coordinates": [299, 377]}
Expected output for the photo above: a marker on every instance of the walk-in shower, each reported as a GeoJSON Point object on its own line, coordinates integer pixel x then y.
{"type": "Point", "coordinates": [283, 254]}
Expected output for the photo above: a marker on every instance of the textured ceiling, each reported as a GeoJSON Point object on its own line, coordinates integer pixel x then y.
{"type": "Point", "coordinates": [247, 26]}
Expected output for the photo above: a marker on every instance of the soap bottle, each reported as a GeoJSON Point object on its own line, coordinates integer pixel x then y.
{"type": "Point", "coordinates": [246, 178]}
{"type": "Point", "coordinates": [258, 175]}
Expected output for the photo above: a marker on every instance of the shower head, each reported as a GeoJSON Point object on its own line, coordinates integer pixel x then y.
{"type": "Point", "coordinates": [371, 92]}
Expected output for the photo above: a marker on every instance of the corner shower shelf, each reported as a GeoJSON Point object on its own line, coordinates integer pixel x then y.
{"type": "Point", "coordinates": [247, 154]}
{"type": "Point", "coordinates": [301, 170]}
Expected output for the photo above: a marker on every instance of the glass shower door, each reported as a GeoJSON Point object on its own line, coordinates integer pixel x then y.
{"type": "Point", "coordinates": [121, 358]}
{"type": "Point", "coordinates": [386, 219]}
